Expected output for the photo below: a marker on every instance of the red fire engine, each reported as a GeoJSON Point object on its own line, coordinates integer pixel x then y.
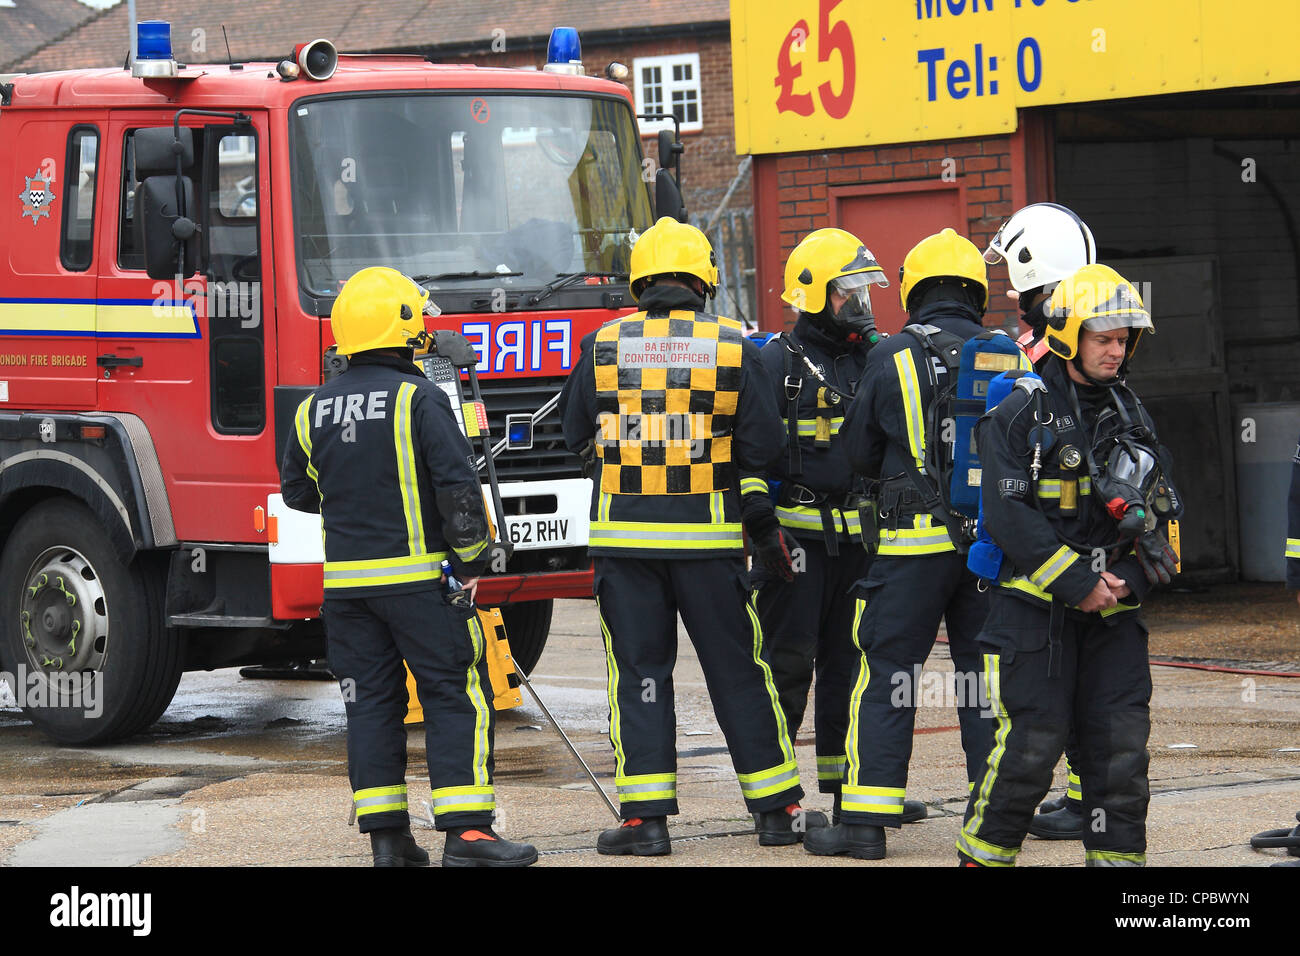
{"type": "Point", "coordinates": [173, 241]}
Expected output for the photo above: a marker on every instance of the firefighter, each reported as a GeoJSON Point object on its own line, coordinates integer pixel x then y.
{"type": "Point", "coordinates": [670, 401]}
{"type": "Point", "coordinates": [1042, 244]}
{"type": "Point", "coordinates": [378, 453]}
{"type": "Point", "coordinates": [918, 576]}
{"type": "Point", "coordinates": [1064, 643]}
{"type": "Point", "coordinates": [806, 608]}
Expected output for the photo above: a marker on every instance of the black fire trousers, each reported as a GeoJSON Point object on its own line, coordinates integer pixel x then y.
{"type": "Point", "coordinates": [1096, 679]}
{"type": "Point", "coordinates": [368, 639]}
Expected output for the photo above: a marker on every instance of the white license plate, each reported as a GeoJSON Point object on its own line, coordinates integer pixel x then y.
{"type": "Point", "coordinates": [540, 531]}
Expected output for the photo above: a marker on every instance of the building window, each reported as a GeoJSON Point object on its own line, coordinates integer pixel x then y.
{"type": "Point", "coordinates": [668, 84]}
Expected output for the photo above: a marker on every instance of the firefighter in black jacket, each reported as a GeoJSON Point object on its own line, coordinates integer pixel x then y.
{"type": "Point", "coordinates": [806, 605]}
{"type": "Point", "coordinates": [1074, 487]}
{"type": "Point", "coordinates": [918, 576]}
{"type": "Point", "coordinates": [668, 401]}
{"type": "Point", "coordinates": [377, 452]}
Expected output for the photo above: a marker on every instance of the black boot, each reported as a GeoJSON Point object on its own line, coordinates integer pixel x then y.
{"type": "Point", "coordinates": [860, 841]}
{"type": "Point", "coordinates": [394, 846]}
{"type": "Point", "coordinates": [1063, 824]}
{"type": "Point", "coordinates": [787, 826]}
{"type": "Point", "coordinates": [636, 837]}
{"type": "Point", "coordinates": [1056, 803]}
{"type": "Point", "coordinates": [480, 846]}
{"type": "Point", "coordinates": [914, 810]}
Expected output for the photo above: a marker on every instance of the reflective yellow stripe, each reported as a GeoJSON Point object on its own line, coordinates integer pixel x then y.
{"type": "Point", "coordinates": [1293, 547]}
{"type": "Point", "coordinates": [908, 384]}
{"type": "Point", "coordinates": [923, 538]}
{"type": "Point", "coordinates": [646, 786]}
{"type": "Point", "coordinates": [831, 768]}
{"type": "Point", "coordinates": [872, 799]}
{"type": "Point", "coordinates": [750, 485]}
{"type": "Point", "coordinates": [1139, 858]}
{"type": "Point", "coordinates": [1073, 789]}
{"type": "Point", "coordinates": [404, 442]}
{"type": "Point", "coordinates": [376, 572]}
{"type": "Point", "coordinates": [163, 317]}
{"type": "Point", "coordinates": [855, 699]}
{"type": "Point", "coordinates": [1053, 567]}
{"type": "Point", "coordinates": [302, 425]}
{"type": "Point", "coordinates": [808, 426]}
{"type": "Point", "coordinates": [615, 717]}
{"type": "Point", "coordinates": [716, 507]}
{"type": "Point", "coordinates": [764, 783]}
{"type": "Point", "coordinates": [379, 800]}
{"type": "Point", "coordinates": [1025, 586]}
{"type": "Point", "coordinates": [602, 507]}
{"type": "Point", "coordinates": [474, 690]}
{"type": "Point", "coordinates": [1051, 487]}
{"type": "Point", "coordinates": [463, 800]}
{"type": "Point", "coordinates": [472, 551]}
{"type": "Point", "coordinates": [756, 631]}
{"type": "Point", "coordinates": [968, 842]}
{"type": "Point", "coordinates": [663, 535]}
{"type": "Point", "coordinates": [803, 518]}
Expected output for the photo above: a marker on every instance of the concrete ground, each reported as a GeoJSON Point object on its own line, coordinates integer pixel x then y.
{"type": "Point", "coordinates": [253, 773]}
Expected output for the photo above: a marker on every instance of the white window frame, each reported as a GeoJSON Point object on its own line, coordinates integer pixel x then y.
{"type": "Point", "coordinates": [669, 86]}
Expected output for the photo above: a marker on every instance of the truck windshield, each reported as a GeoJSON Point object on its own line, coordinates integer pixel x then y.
{"type": "Point", "coordinates": [465, 190]}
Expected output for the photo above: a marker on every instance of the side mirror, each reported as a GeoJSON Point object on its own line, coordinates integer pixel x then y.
{"type": "Point", "coordinates": [668, 199]}
{"type": "Point", "coordinates": [670, 150]}
{"type": "Point", "coordinates": [169, 239]}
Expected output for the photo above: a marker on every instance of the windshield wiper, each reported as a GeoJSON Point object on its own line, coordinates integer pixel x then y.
{"type": "Point", "coordinates": [464, 275]}
{"type": "Point", "coordinates": [569, 278]}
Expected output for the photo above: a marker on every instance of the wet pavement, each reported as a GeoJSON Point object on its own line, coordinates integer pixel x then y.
{"type": "Point", "coordinates": [253, 772]}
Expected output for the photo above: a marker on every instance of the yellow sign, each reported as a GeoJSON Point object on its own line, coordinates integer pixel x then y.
{"type": "Point", "coordinates": [817, 74]}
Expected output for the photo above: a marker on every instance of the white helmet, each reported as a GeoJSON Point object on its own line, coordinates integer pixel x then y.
{"type": "Point", "coordinates": [1042, 244]}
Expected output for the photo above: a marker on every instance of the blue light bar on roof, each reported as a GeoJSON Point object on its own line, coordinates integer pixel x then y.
{"type": "Point", "coordinates": [153, 40]}
{"type": "Point", "coordinates": [564, 46]}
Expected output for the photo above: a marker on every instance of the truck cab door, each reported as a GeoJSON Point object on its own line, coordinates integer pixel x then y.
{"type": "Point", "coordinates": [47, 301]}
{"type": "Point", "coordinates": [191, 358]}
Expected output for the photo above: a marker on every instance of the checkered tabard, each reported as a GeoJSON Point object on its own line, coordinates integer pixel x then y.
{"type": "Point", "coordinates": [667, 383]}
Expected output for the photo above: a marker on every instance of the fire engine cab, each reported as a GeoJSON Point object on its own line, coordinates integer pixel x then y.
{"type": "Point", "coordinates": [173, 240]}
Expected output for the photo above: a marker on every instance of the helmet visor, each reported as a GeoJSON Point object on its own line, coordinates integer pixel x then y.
{"type": "Point", "coordinates": [857, 281]}
{"type": "Point", "coordinates": [1119, 319]}
{"type": "Point", "coordinates": [995, 253]}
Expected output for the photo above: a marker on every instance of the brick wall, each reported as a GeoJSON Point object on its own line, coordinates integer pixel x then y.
{"type": "Point", "coordinates": [710, 160]}
{"type": "Point", "coordinates": [792, 198]}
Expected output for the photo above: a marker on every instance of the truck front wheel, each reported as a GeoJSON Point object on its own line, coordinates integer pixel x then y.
{"type": "Point", "coordinates": [527, 627]}
{"type": "Point", "coordinates": [82, 633]}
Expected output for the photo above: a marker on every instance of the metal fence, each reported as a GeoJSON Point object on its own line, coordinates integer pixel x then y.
{"type": "Point", "coordinates": [732, 238]}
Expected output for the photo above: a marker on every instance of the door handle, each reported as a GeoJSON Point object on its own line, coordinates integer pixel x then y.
{"type": "Point", "coordinates": [111, 361]}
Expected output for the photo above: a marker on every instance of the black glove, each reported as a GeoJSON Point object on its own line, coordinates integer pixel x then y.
{"type": "Point", "coordinates": [1157, 558]}
{"type": "Point", "coordinates": [588, 456]}
{"type": "Point", "coordinates": [768, 542]}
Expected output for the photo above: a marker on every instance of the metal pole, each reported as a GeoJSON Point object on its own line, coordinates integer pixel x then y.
{"type": "Point", "coordinates": [130, 10]}
{"type": "Point", "coordinates": [572, 749]}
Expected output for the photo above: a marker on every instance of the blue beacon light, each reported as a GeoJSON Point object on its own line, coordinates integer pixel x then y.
{"type": "Point", "coordinates": [564, 51]}
{"type": "Point", "coordinates": [153, 50]}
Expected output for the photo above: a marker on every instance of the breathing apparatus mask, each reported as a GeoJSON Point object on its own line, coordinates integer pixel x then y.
{"type": "Point", "coordinates": [854, 321]}
{"type": "Point", "coordinates": [1130, 477]}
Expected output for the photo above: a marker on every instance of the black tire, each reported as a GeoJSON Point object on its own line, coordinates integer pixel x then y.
{"type": "Point", "coordinates": [112, 611]}
{"type": "Point", "coordinates": [527, 627]}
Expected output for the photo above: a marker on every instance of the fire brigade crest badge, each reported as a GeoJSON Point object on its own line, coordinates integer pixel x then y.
{"type": "Point", "coordinates": [37, 197]}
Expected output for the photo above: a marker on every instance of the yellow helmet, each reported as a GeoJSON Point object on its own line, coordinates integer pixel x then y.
{"type": "Point", "coordinates": [670, 247]}
{"type": "Point", "coordinates": [825, 256]}
{"type": "Point", "coordinates": [943, 254]}
{"type": "Point", "coordinates": [1099, 299]}
{"type": "Point", "coordinates": [379, 308]}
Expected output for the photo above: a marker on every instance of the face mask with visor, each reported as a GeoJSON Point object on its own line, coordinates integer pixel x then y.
{"type": "Point", "coordinates": [855, 316]}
